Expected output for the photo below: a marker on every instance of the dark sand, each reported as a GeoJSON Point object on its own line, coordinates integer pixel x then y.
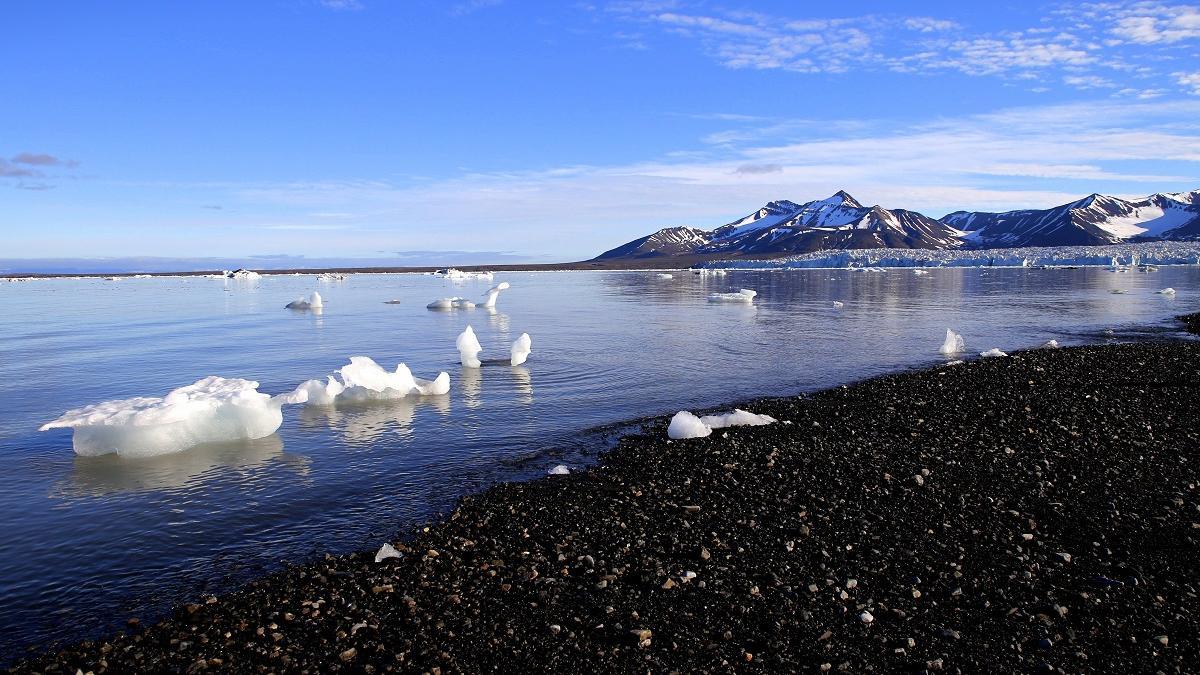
{"type": "Point", "coordinates": [1032, 513]}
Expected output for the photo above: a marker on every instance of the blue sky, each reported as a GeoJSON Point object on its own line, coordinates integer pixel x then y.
{"type": "Point", "coordinates": [348, 128]}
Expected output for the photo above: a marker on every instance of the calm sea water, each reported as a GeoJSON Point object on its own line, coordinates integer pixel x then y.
{"type": "Point", "coordinates": [86, 543]}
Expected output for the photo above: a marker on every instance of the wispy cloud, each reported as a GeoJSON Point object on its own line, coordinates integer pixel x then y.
{"type": "Point", "coordinates": [469, 6]}
{"type": "Point", "coordinates": [1190, 81]}
{"type": "Point", "coordinates": [33, 165]}
{"type": "Point", "coordinates": [1151, 22]}
{"type": "Point", "coordinates": [342, 5]}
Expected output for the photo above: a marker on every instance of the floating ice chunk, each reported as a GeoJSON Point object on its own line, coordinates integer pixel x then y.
{"type": "Point", "coordinates": [392, 302]}
{"type": "Point", "coordinates": [494, 293]}
{"type": "Point", "coordinates": [838, 304]}
{"type": "Point", "coordinates": [331, 276]}
{"type": "Point", "coordinates": [386, 551]}
{"type": "Point", "coordinates": [1050, 344]}
{"type": "Point", "coordinates": [213, 409]}
{"type": "Point", "coordinates": [737, 418]}
{"type": "Point", "coordinates": [364, 380]}
{"type": "Point", "coordinates": [664, 275]}
{"type": "Point", "coordinates": [560, 470]}
{"type": "Point", "coordinates": [1118, 291]}
{"type": "Point", "coordinates": [451, 303]}
{"type": "Point", "coordinates": [1167, 291]}
{"type": "Point", "coordinates": [468, 348]}
{"type": "Point", "coordinates": [520, 349]}
{"type": "Point", "coordinates": [459, 275]}
{"type": "Point", "coordinates": [992, 353]}
{"type": "Point", "coordinates": [243, 275]}
{"type": "Point", "coordinates": [953, 344]}
{"type": "Point", "coordinates": [313, 301]}
{"type": "Point", "coordinates": [744, 295]}
{"type": "Point", "coordinates": [920, 273]}
{"type": "Point", "coordinates": [686, 425]}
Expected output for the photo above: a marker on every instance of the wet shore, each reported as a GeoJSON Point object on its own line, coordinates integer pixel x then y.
{"type": "Point", "coordinates": [1032, 513]}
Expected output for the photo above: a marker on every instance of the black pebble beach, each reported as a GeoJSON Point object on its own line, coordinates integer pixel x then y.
{"type": "Point", "coordinates": [1037, 513]}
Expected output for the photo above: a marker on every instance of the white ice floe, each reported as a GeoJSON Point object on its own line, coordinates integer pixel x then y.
{"type": "Point", "coordinates": [737, 418]}
{"type": "Point", "coordinates": [686, 425]}
{"type": "Point", "coordinates": [364, 380]}
{"type": "Point", "coordinates": [992, 353]}
{"type": "Point", "coordinates": [213, 409]}
{"type": "Point", "coordinates": [560, 470]}
{"type": "Point", "coordinates": [920, 273]}
{"type": "Point", "coordinates": [664, 275]}
{"type": "Point", "coordinates": [331, 276]}
{"type": "Point", "coordinates": [313, 301]}
{"type": "Point", "coordinates": [953, 344]}
{"type": "Point", "coordinates": [451, 303]}
{"type": "Point", "coordinates": [744, 295]}
{"type": "Point", "coordinates": [468, 348]}
{"type": "Point", "coordinates": [459, 275]}
{"type": "Point", "coordinates": [243, 275]}
{"type": "Point", "coordinates": [386, 551]}
{"type": "Point", "coordinates": [494, 293]}
{"type": "Point", "coordinates": [837, 304]}
{"type": "Point", "coordinates": [1050, 344]}
{"type": "Point", "coordinates": [520, 349]}
{"type": "Point", "coordinates": [1167, 291]}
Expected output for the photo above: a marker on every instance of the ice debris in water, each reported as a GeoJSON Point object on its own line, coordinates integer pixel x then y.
{"type": "Point", "coordinates": [837, 304]}
{"type": "Point", "coordinates": [459, 275]}
{"type": "Point", "coordinates": [1167, 291]}
{"type": "Point", "coordinates": [242, 275]}
{"type": "Point", "coordinates": [992, 353]}
{"type": "Point", "coordinates": [953, 344]}
{"type": "Point", "coordinates": [386, 551]}
{"type": "Point", "coordinates": [920, 273]}
{"type": "Point", "coordinates": [451, 303]}
{"type": "Point", "coordinates": [468, 348]}
{"type": "Point", "coordinates": [313, 301]}
{"type": "Point", "coordinates": [520, 349]}
{"type": "Point", "coordinates": [212, 410]}
{"type": "Point", "coordinates": [560, 470]}
{"type": "Point", "coordinates": [664, 275]}
{"type": "Point", "coordinates": [744, 295]}
{"type": "Point", "coordinates": [364, 380]}
{"type": "Point", "coordinates": [494, 293]}
{"type": "Point", "coordinates": [686, 425]}
{"type": "Point", "coordinates": [1050, 344]}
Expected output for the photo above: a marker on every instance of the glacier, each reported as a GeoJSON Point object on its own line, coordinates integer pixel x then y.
{"type": "Point", "coordinates": [1139, 254]}
{"type": "Point", "coordinates": [211, 410]}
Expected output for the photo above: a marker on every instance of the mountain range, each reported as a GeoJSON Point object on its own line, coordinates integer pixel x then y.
{"type": "Point", "coordinates": [841, 222]}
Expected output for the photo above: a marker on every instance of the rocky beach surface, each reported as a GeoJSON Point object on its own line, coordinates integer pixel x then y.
{"type": "Point", "coordinates": [1038, 512]}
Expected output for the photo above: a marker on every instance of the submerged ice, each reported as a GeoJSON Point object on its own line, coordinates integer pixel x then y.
{"type": "Point", "coordinates": [213, 409]}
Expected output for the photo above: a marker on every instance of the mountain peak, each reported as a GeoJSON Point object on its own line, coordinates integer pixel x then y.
{"type": "Point", "coordinates": [842, 197]}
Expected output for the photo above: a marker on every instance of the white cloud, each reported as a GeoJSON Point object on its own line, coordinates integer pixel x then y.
{"type": "Point", "coordinates": [925, 24]}
{"type": "Point", "coordinates": [1190, 81]}
{"type": "Point", "coordinates": [1154, 23]}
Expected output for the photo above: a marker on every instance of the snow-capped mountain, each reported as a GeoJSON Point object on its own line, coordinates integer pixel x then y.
{"type": "Point", "coordinates": [841, 222]}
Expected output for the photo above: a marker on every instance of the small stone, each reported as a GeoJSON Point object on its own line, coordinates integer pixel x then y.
{"type": "Point", "coordinates": [851, 584]}
{"type": "Point", "coordinates": [1063, 556]}
{"type": "Point", "coordinates": [555, 629]}
{"type": "Point", "coordinates": [920, 480]}
{"type": "Point", "coordinates": [348, 655]}
{"type": "Point", "coordinates": [704, 554]}
{"type": "Point", "coordinates": [866, 617]}
{"type": "Point", "coordinates": [668, 584]}
{"type": "Point", "coordinates": [1163, 640]}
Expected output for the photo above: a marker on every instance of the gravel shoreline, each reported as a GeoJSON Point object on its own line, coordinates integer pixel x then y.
{"type": "Point", "coordinates": [1032, 513]}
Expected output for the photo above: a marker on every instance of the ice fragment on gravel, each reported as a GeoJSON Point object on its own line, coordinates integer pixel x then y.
{"type": "Point", "coordinates": [737, 418]}
{"type": "Point", "coordinates": [992, 353]}
{"type": "Point", "coordinates": [560, 470]}
{"type": "Point", "coordinates": [386, 551]}
{"type": "Point", "coordinates": [686, 425]}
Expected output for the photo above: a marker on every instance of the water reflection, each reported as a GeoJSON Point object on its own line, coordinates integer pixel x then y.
{"type": "Point", "coordinates": [110, 474]}
{"type": "Point", "coordinates": [472, 386]}
{"type": "Point", "coordinates": [366, 422]}
{"type": "Point", "coordinates": [524, 384]}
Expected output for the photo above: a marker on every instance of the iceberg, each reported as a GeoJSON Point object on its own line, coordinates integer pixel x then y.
{"type": "Point", "coordinates": [451, 303]}
{"type": "Point", "coordinates": [313, 301]}
{"type": "Point", "coordinates": [992, 353]}
{"type": "Point", "coordinates": [744, 295]}
{"type": "Point", "coordinates": [494, 293]}
{"type": "Point", "coordinates": [686, 425]}
{"type": "Point", "coordinates": [953, 344]}
{"type": "Point", "coordinates": [211, 410]}
{"type": "Point", "coordinates": [468, 348]}
{"type": "Point", "coordinates": [364, 380]}
{"type": "Point", "coordinates": [520, 349]}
